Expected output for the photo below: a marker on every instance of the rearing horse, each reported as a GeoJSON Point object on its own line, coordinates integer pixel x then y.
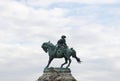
{"type": "Point", "coordinates": [51, 49]}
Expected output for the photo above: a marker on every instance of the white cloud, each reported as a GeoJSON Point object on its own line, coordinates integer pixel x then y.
{"type": "Point", "coordinates": [46, 3]}
{"type": "Point", "coordinates": [14, 10]}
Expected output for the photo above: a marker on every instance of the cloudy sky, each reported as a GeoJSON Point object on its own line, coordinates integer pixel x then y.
{"type": "Point", "coordinates": [91, 26]}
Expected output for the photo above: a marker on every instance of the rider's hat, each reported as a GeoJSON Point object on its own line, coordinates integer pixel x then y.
{"type": "Point", "coordinates": [63, 36]}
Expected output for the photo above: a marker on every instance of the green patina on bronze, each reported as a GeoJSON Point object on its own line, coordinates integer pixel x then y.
{"type": "Point", "coordinates": [57, 69]}
{"type": "Point", "coordinates": [61, 50]}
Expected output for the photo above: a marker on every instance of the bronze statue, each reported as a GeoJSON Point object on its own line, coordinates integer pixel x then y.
{"type": "Point", "coordinates": [61, 45]}
{"type": "Point", "coordinates": [60, 50]}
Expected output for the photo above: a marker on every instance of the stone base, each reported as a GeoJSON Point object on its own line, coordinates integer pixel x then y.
{"type": "Point", "coordinates": [57, 74]}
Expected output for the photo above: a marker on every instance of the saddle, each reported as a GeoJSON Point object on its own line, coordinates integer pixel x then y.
{"type": "Point", "coordinates": [61, 50]}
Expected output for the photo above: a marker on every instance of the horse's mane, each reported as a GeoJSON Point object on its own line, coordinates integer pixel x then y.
{"type": "Point", "coordinates": [51, 44]}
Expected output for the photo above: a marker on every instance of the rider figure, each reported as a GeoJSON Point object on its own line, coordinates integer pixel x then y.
{"type": "Point", "coordinates": [61, 43]}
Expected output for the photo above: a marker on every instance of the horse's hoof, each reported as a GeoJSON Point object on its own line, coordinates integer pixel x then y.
{"type": "Point", "coordinates": [61, 67]}
{"type": "Point", "coordinates": [66, 67]}
{"type": "Point", "coordinates": [46, 68]}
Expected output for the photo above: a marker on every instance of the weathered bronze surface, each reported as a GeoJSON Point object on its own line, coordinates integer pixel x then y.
{"type": "Point", "coordinates": [57, 69]}
{"type": "Point", "coordinates": [61, 50]}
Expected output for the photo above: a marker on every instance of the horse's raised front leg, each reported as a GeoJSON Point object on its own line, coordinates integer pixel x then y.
{"type": "Point", "coordinates": [64, 63]}
{"type": "Point", "coordinates": [50, 60]}
{"type": "Point", "coordinates": [69, 63]}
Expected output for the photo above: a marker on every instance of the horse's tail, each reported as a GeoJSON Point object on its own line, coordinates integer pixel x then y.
{"type": "Point", "coordinates": [78, 59]}
{"type": "Point", "coordinates": [74, 56]}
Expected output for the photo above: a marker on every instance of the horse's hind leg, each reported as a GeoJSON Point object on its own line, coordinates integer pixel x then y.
{"type": "Point", "coordinates": [64, 63]}
{"type": "Point", "coordinates": [69, 63]}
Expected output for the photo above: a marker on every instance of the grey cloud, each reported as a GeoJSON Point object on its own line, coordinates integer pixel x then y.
{"type": "Point", "coordinates": [21, 55]}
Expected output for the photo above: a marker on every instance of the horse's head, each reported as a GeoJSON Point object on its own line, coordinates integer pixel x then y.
{"type": "Point", "coordinates": [47, 45]}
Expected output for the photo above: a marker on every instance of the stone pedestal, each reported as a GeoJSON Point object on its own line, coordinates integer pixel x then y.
{"type": "Point", "coordinates": [57, 74]}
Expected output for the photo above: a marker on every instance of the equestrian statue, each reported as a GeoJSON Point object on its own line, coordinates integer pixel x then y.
{"type": "Point", "coordinates": [60, 50]}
